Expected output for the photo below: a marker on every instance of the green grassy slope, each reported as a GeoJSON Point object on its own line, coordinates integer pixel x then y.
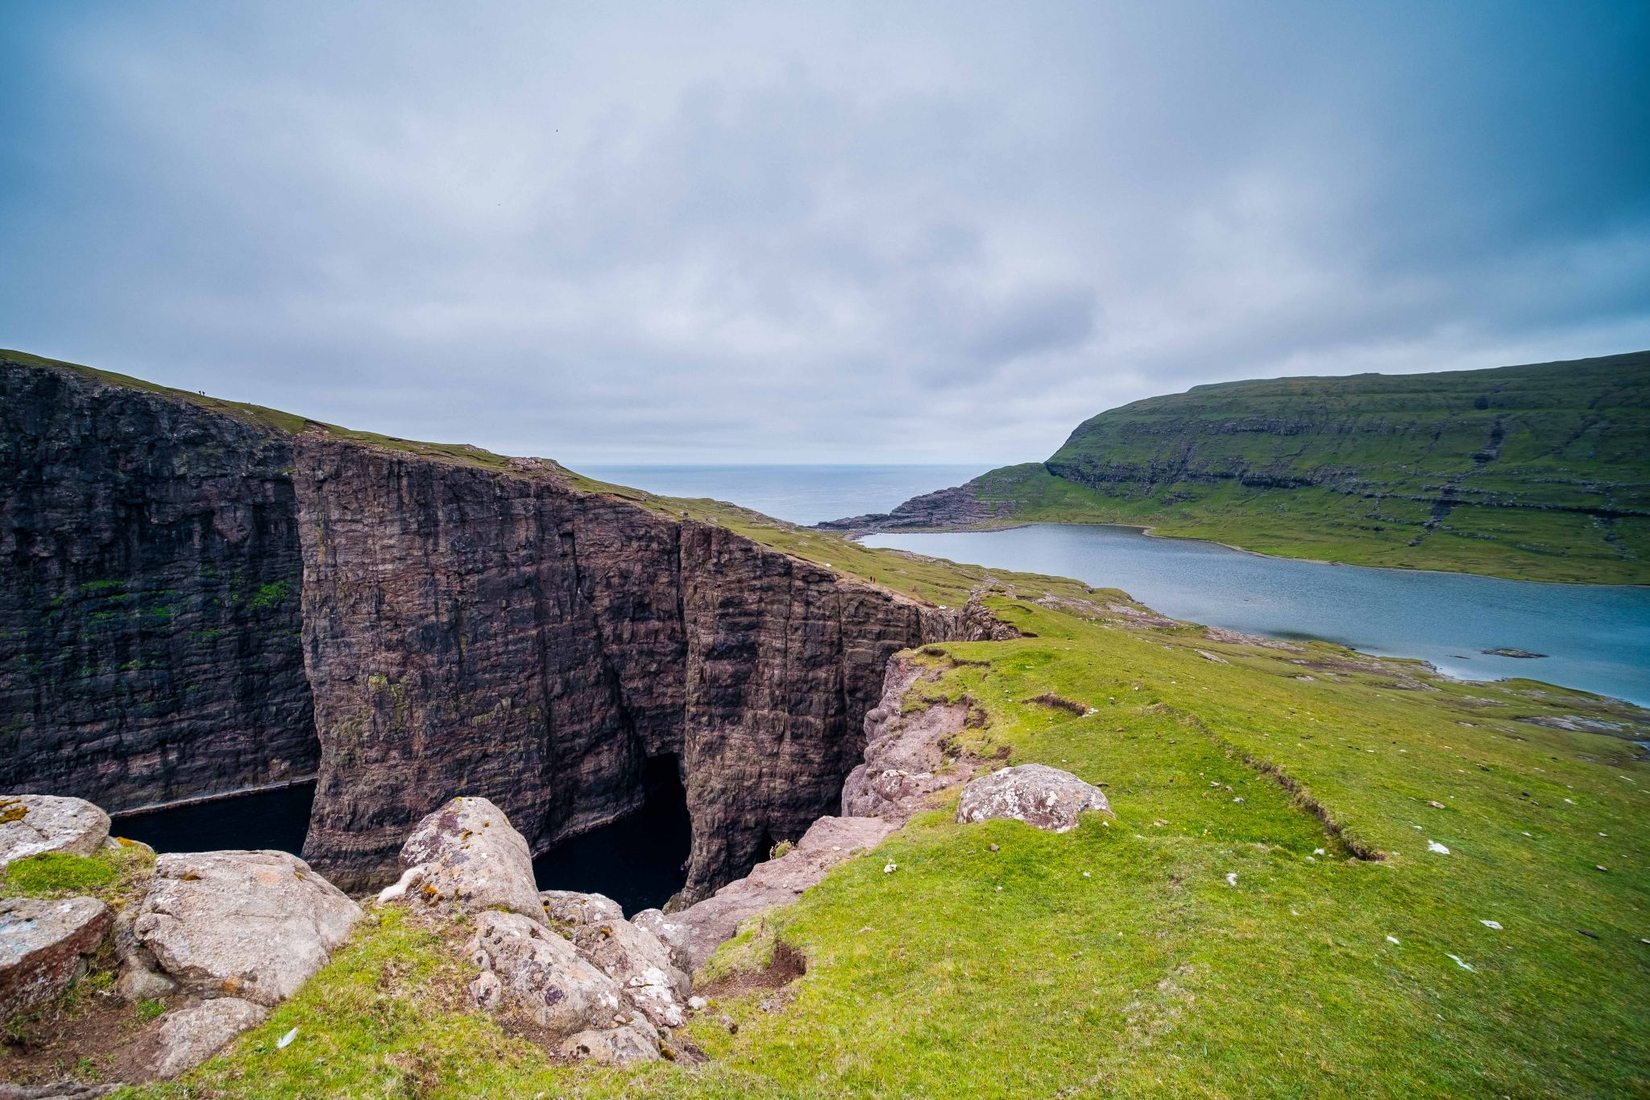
{"type": "Point", "coordinates": [1538, 472]}
{"type": "Point", "coordinates": [1118, 958]}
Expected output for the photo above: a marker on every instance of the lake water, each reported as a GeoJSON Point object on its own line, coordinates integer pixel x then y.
{"type": "Point", "coordinates": [1597, 637]}
{"type": "Point", "coordinates": [276, 819]}
{"type": "Point", "coordinates": [797, 494]}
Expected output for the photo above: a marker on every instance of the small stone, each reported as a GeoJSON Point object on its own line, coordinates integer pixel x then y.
{"type": "Point", "coordinates": [698, 1004]}
{"type": "Point", "coordinates": [1435, 804]}
{"type": "Point", "coordinates": [996, 848]}
{"type": "Point", "coordinates": [184, 1038]}
{"type": "Point", "coordinates": [889, 868]}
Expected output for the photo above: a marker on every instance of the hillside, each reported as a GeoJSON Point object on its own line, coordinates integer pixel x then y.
{"type": "Point", "coordinates": [1538, 472]}
{"type": "Point", "coordinates": [1325, 872]}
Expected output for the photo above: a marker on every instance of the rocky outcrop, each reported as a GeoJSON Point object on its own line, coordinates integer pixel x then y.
{"type": "Point", "coordinates": [34, 824]}
{"type": "Point", "coordinates": [564, 966]}
{"type": "Point", "coordinates": [466, 859]}
{"type": "Point", "coordinates": [200, 598]}
{"type": "Point", "coordinates": [905, 763]}
{"type": "Point", "coordinates": [632, 956]}
{"type": "Point", "coordinates": [44, 946]}
{"type": "Point", "coordinates": [959, 506]}
{"type": "Point", "coordinates": [695, 932]}
{"type": "Point", "coordinates": [253, 925]}
{"type": "Point", "coordinates": [531, 974]}
{"type": "Point", "coordinates": [149, 583]}
{"type": "Point", "coordinates": [1042, 797]}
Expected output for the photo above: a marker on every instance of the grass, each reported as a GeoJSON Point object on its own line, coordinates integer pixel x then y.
{"type": "Point", "coordinates": [112, 875]}
{"type": "Point", "coordinates": [1117, 958]}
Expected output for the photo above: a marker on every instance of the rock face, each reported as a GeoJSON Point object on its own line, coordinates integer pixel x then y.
{"type": "Point", "coordinates": [185, 1037]}
{"type": "Point", "coordinates": [1042, 797]}
{"type": "Point", "coordinates": [149, 583]}
{"type": "Point", "coordinates": [252, 925]}
{"type": "Point", "coordinates": [695, 932]}
{"type": "Point", "coordinates": [500, 629]}
{"type": "Point", "coordinates": [34, 824]}
{"type": "Point", "coordinates": [44, 946]}
{"type": "Point", "coordinates": [903, 752]}
{"type": "Point", "coordinates": [199, 597]}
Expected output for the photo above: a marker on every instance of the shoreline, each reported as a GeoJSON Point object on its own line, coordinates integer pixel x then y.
{"type": "Point", "coordinates": [1152, 532]}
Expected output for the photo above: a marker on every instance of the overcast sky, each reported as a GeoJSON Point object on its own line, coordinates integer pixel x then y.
{"type": "Point", "coordinates": [887, 232]}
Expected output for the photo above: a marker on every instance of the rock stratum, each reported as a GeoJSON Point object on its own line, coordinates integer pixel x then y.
{"type": "Point", "coordinates": [201, 598]}
{"type": "Point", "coordinates": [1534, 470]}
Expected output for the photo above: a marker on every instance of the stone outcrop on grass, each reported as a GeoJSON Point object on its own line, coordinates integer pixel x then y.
{"type": "Point", "coordinates": [1042, 797]}
{"type": "Point", "coordinates": [44, 946]}
{"type": "Point", "coordinates": [566, 967]}
{"type": "Point", "coordinates": [466, 858]}
{"type": "Point", "coordinates": [253, 925]}
{"type": "Point", "coordinates": [35, 824]}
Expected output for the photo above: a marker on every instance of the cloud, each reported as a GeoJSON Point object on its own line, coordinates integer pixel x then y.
{"type": "Point", "coordinates": [767, 233]}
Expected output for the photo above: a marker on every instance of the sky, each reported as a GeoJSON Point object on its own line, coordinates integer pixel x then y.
{"type": "Point", "coordinates": [855, 233]}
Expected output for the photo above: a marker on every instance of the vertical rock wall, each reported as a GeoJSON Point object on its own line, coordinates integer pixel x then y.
{"type": "Point", "coordinates": [491, 631]}
{"type": "Point", "coordinates": [149, 596]}
{"type": "Point", "coordinates": [196, 601]}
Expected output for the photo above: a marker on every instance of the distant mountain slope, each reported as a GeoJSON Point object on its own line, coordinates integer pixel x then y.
{"type": "Point", "coordinates": [1539, 471]}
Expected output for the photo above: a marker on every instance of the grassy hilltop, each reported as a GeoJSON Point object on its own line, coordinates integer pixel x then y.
{"type": "Point", "coordinates": [1121, 958]}
{"type": "Point", "coordinates": [1535, 472]}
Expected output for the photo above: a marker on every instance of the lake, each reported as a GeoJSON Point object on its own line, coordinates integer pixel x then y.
{"type": "Point", "coordinates": [1597, 637]}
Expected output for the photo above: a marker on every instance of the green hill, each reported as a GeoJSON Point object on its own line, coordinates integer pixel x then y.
{"type": "Point", "coordinates": [1538, 472]}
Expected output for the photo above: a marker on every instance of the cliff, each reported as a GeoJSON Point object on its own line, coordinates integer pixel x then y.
{"type": "Point", "coordinates": [1532, 471]}
{"type": "Point", "coordinates": [409, 622]}
{"type": "Point", "coordinates": [149, 584]}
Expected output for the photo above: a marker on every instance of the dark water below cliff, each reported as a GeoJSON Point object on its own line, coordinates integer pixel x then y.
{"type": "Point", "coordinates": [1596, 637]}
{"type": "Point", "coordinates": [639, 861]}
{"type": "Point", "coordinates": [274, 819]}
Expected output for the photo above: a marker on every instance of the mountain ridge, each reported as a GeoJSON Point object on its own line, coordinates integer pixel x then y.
{"type": "Point", "coordinates": [1535, 471]}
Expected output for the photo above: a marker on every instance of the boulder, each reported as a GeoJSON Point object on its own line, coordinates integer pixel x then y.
{"type": "Point", "coordinates": [185, 1037]}
{"type": "Point", "coordinates": [614, 1046]}
{"type": "Point", "coordinates": [253, 925]}
{"type": "Point", "coordinates": [465, 858]}
{"type": "Point", "coordinates": [1043, 797]}
{"type": "Point", "coordinates": [694, 933]}
{"type": "Point", "coordinates": [44, 946]}
{"type": "Point", "coordinates": [33, 824]}
{"type": "Point", "coordinates": [532, 974]}
{"type": "Point", "coordinates": [633, 956]}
